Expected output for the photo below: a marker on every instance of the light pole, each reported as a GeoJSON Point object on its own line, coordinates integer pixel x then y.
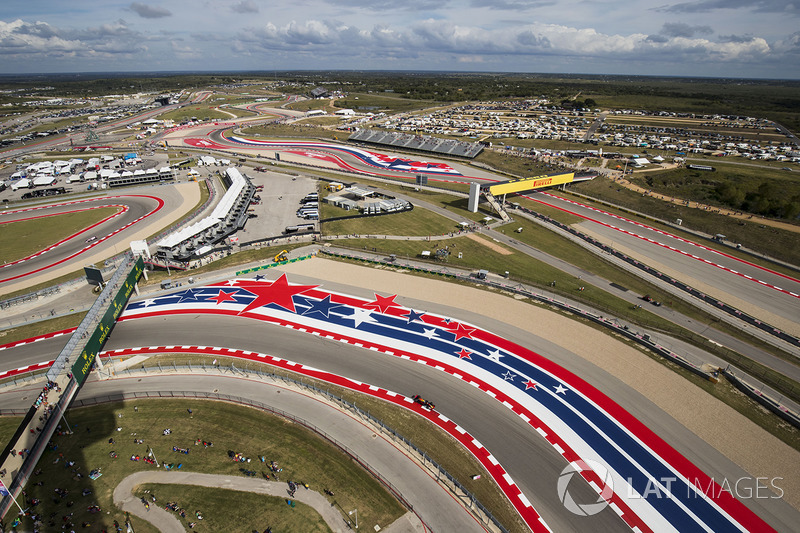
{"type": "Point", "coordinates": [354, 512]}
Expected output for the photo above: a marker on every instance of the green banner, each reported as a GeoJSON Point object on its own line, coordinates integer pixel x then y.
{"type": "Point", "coordinates": [95, 343]}
{"type": "Point", "coordinates": [264, 267]}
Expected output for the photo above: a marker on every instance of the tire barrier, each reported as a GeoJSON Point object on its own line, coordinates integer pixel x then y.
{"type": "Point", "coordinates": [754, 393]}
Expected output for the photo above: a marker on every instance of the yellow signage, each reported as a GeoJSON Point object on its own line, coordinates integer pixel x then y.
{"type": "Point", "coordinates": [528, 184]}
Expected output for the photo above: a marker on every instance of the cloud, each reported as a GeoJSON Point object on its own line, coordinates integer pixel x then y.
{"type": "Point", "coordinates": [381, 6]}
{"type": "Point", "coordinates": [513, 5]}
{"type": "Point", "coordinates": [149, 12]}
{"type": "Point", "coordinates": [245, 6]}
{"type": "Point", "coordinates": [736, 38]}
{"type": "Point", "coordinates": [38, 40]}
{"type": "Point", "coordinates": [431, 37]}
{"type": "Point", "coordinates": [788, 7]}
{"type": "Point", "coordinates": [681, 29]}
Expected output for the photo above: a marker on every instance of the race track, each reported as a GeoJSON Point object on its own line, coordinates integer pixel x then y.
{"type": "Point", "coordinates": [532, 462]}
{"type": "Point", "coordinates": [762, 292]}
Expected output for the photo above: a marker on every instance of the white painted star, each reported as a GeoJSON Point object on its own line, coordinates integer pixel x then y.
{"type": "Point", "coordinates": [508, 376]}
{"type": "Point", "coordinates": [361, 315]}
{"type": "Point", "coordinates": [561, 389]}
{"type": "Point", "coordinates": [495, 356]}
{"type": "Point", "coordinates": [149, 302]}
{"type": "Point", "coordinates": [429, 333]}
{"type": "Point", "coordinates": [231, 282]}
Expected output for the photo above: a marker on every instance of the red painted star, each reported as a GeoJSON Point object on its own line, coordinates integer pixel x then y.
{"type": "Point", "coordinates": [223, 297]}
{"type": "Point", "coordinates": [460, 331]}
{"type": "Point", "coordinates": [383, 303]}
{"type": "Point", "coordinates": [279, 292]}
{"type": "Point", "coordinates": [530, 385]}
{"type": "Point", "coordinates": [464, 354]}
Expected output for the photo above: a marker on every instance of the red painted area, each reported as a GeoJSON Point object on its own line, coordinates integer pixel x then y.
{"type": "Point", "coordinates": [204, 143]}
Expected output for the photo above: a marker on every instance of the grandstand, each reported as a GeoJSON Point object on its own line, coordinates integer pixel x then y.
{"type": "Point", "coordinates": [142, 176]}
{"type": "Point", "coordinates": [229, 216]}
{"type": "Point", "coordinates": [417, 143]}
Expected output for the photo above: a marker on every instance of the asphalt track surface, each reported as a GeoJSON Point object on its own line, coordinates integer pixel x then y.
{"type": "Point", "coordinates": [138, 208]}
{"type": "Point", "coordinates": [730, 277]}
{"type": "Point", "coordinates": [130, 210]}
{"type": "Point", "coordinates": [530, 460]}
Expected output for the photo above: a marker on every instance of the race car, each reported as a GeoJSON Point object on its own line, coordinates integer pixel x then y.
{"type": "Point", "coordinates": [92, 238]}
{"type": "Point", "coordinates": [423, 402]}
{"type": "Point", "coordinates": [648, 298]}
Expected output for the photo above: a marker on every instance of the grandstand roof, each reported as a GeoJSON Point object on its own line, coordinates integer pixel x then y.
{"type": "Point", "coordinates": [219, 213]}
{"type": "Point", "coordinates": [418, 142]}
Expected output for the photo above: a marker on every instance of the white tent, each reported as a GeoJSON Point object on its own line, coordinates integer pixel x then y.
{"type": "Point", "coordinates": [24, 183]}
{"type": "Point", "coordinates": [43, 181]}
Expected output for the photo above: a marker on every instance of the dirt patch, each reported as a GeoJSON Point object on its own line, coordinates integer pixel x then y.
{"type": "Point", "coordinates": [491, 245]}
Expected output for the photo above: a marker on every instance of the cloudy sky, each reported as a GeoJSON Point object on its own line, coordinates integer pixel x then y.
{"type": "Point", "coordinates": [731, 38]}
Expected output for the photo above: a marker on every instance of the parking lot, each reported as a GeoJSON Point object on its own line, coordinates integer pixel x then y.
{"type": "Point", "coordinates": [279, 202]}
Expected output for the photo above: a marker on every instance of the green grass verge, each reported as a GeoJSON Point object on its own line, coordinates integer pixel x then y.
{"type": "Point", "coordinates": [302, 454]}
{"type": "Point", "coordinates": [375, 103]}
{"type": "Point", "coordinates": [418, 222]}
{"type": "Point", "coordinates": [542, 238]}
{"type": "Point", "coordinates": [79, 273]}
{"type": "Point", "coordinates": [42, 327]}
{"type": "Point", "coordinates": [235, 511]}
{"type": "Point", "coordinates": [752, 188]}
{"type": "Point", "coordinates": [515, 165]}
{"type": "Point", "coordinates": [524, 269]}
{"type": "Point", "coordinates": [262, 255]}
{"type": "Point", "coordinates": [26, 237]}
{"type": "Point", "coordinates": [194, 111]}
{"type": "Point", "coordinates": [45, 284]}
{"type": "Point", "coordinates": [289, 131]}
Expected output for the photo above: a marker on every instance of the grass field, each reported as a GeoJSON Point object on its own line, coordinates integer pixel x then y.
{"type": "Point", "coordinates": [262, 255]}
{"type": "Point", "coordinates": [308, 105]}
{"type": "Point", "coordinates": [437, 444]}
{"type": "Point", "coordinates": [292, 131]}
{"type": "Point", "coordinates": [36, 329]}
{"type": "Point", "coordinates": [236, 511]}
{"type": "Point", "coordinates": [26, 237]}
{"type": "Point", "coordinates": [418, 222]}
{"type": "Point", "coordinates": [514, 165]}
{"type": "Point", "coordinates": [375, 103]}
{"type": "Point", "coordinates": [198, 111]}
{"type": "Point", "coordinates": [301, 453]}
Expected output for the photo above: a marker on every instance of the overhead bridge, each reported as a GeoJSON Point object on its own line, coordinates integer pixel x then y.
{"type": "Point", "coordinates": [529, 184]}
{"type": "Point", "coordinates": [64, 380]}
{"type": "Point", "coordinates": [495, 194]}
